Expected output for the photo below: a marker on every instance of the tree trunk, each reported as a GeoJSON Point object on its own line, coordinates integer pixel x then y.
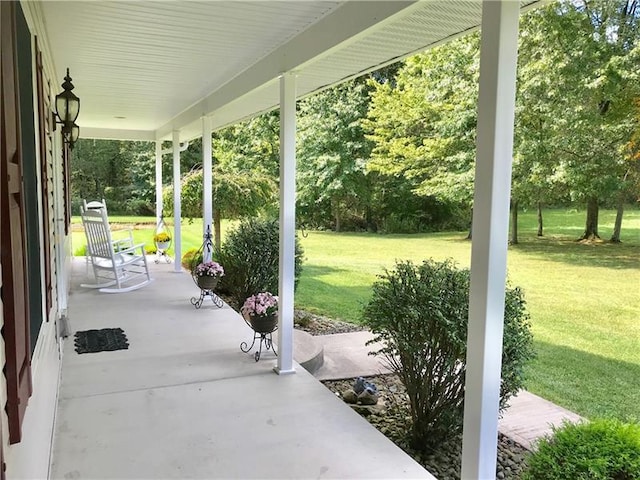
{"type": "Point", "coordinates": [371, 226]}
{"type": "Point", "coordinates": [615, 237]}
{"type": "Point", "coordinates": [540, 227]}
{"type": "Point", "coordinates": [514, 223]}
{"type": "Point", "coordinates": [216, 228]}
{"type": "Point", "coordinates": [469, 235]}
{"type": "Point", "coordinates": [335, 211]}
{"type": "Point", "coordinates": [591, 225]}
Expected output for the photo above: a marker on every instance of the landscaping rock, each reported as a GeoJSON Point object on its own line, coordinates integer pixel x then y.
{"type": "Point", "coordinates": [319, 325]}
{"type": "Point", "coordinates": [368, 398]}
{"type": "Point", "coordinates": [349, 396]}
{"type": "Point", "coordinates": [369, 410]}
{"type": "Point", "coordinates": [391, 417]}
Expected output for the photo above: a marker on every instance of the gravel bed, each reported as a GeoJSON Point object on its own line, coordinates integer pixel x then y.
{"type": "Point", "coordinates": [391, 416]}
{"type": "Point", "coordinates": [309, 322]}
{"type": "Point", "coordinates": [319, 325]}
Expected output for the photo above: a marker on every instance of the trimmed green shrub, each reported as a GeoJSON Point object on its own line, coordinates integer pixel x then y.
{"type": "Point", "coordinates": [190, 259]}
{"type": "Point", "coordinates": [419, 313]}
{"type": "Point", "coordinates": [599, 450]}
{"type": "Point", "coordinates": [250, 257]}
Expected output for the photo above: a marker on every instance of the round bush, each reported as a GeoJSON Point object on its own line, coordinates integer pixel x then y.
{"type": "Point", "coordinates": [191, 258]}
{"type": "Point", "coordinates": [420, 314]}
{"type": "Point", "coordinates": [599, 450]}
{"type": "Point", "coordinates": [250, 257]}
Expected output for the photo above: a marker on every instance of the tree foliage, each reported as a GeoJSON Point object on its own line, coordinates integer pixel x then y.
{"type": "Point", "coordinates": [250, 256]}
{"type": "Point", "coordinates": [423, 124]}
{"type": "Point", "coordinates": [395, 151]}
{"type": "Point", "coordinates": [120, 172]}
{"type": "Point", "coordinates": [332, 155]}
{"type": "Point", "coordinates": [591, 55]}
{"type": "Point", "coordinates": [245, 165]}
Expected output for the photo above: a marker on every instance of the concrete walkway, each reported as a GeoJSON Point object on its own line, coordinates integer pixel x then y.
{"type": "Point", "coordinates": [527, 419]}
{"type": "Point", "coordinates": [184, 402]}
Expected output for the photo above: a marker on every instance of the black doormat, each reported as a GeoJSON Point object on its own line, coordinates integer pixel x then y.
{"type": "Point", "coordinates": [105, 340]}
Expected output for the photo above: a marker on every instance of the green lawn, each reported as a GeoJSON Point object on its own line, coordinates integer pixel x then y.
{"type": "Point", "coordinates": [584, 299]}
{"type": "Point", "coordinates": [143, 230]}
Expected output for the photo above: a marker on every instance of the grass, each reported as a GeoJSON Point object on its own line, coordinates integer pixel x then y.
{"type": "Point", "coordinates": [143, 229]}
{"type": "Point", "coordinates": [584, 299]}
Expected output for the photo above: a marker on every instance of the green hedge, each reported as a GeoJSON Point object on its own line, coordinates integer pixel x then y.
{"type": "Point", "coordinates": [250, 257]}
{"type": "Point", "coordinates": [420, 313]}
{"type": "Point", "coordinates": [599, 450]}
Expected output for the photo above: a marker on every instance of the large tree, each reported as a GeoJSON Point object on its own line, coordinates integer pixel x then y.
{"type": "Point", "coordinates": [593, 55]}
{"type": "Point", "coordinates": [630, 187]}
{"type": "Point", "coordinates": [245, 163]}
{"type": "Point", "coordinates": [236, 194]}
{"type": "Point", "coordinates": [535, 181]}
{"type": "Point", "coordinates": [424, 123]}
{"type": "Point", "coordinates": [121, 172]}
{"type": "Point", "coordinates": [332, 155]}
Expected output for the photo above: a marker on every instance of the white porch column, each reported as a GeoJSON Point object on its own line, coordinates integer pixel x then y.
{"type": "Point", "coordinates": [177, 205]}
{"type": "Point", "coordinates": [287, 222]}
{"type": "Point", "coordinates": [496, 109]}
{"type": "Point", "coordinates": [207, 217]}
{"type": "Point", "coordinates": [159, 204]}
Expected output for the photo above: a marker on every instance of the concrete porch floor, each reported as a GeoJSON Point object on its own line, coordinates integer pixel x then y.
{"type": "Point", "coordinates": [184, 402]}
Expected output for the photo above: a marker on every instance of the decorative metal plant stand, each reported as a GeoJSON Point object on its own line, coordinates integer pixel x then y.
{"type": "Point", "coordinates": [162, 247]}
{"type": "Point", "coordinates": [205, 284]}
{"type": "Point", "coordinates": [262, 328]}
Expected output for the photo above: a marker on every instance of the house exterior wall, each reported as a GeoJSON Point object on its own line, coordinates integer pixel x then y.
{"type": "Point", "coordinates": [4, 421]}
{"type": "Point", "coordinates": [30, 458]}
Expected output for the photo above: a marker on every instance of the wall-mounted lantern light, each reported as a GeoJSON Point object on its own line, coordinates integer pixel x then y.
{"type": "Point", "coordinates": [67, 110]}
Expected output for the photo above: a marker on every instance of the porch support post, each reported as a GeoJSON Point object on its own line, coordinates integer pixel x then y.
{"type": "Point", "coordinates": [159, 204]}
{"type": "Point", "coordinates": [207, 183]}
{"type": "Point", "coordinates": [177, 205]}
{"type": "Point", "coordinates": [287, 222]}
{"type": "Point", "coordinates": [496, 110]}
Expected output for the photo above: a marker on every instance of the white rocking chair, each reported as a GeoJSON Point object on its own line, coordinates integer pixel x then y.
{"type": "Point", "coordinates": [118, 243]}
{"type": "Point", "coordinates": [116, 269]}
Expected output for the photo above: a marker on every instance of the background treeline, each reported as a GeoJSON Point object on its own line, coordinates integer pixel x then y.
{"type": "Point", "coordinates": [394, 150]}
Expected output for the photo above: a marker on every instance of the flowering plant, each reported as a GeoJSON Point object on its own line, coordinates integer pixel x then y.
{"type": "Point", "coordinates": [261, 304]}
{"type": "Point", "coordinates": [161, 237]}
{"type": "Point", "coordinates": [209, 269]}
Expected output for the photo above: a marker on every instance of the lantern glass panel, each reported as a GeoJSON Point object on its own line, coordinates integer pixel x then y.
{"type": "Point", "coordinates": [62, 107]}
{"type": "Point", "coordinates": [75, 133]}
{"type": "Point", "coordinates": [73, 107]}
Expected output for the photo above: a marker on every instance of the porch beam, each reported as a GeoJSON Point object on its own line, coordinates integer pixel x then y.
{"type": "Point", "coordinates": [496, 111]}
{"type": "Point", "coordinates": [117, 134]}
{"type": "Point", "coordinates": [346, 23]}
{"type": "Point", "coordinates": [159, 203]}
{"type": "Point", "coordinates": [177, 205]}
{"type": "Point", "coordinates": [207, 178]}
{"type": "Point", "coordinates": [286, 266]}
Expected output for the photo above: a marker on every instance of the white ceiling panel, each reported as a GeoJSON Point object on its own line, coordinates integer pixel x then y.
{"type": "Point", "coordinates": [154, 59]}
{"type": "Point", "coordinates": [156, 66]}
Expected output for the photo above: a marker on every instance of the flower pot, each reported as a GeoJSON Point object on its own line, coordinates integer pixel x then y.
{"type": "Point", "coordinates": [208, 283]}
{"type": "Point", "coordinates": [263, 324]}
{"type": "Point", "coordinates": [162, 245]}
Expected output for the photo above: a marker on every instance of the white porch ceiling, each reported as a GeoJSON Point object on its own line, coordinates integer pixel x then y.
{"type": "Point", "coordinates": [145, 68]}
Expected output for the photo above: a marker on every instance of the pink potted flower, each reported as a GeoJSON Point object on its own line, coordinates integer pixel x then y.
{"type": "Point", "coordinates": [208, 274]}
{"type": "Point", "coordinates": [261, 310]}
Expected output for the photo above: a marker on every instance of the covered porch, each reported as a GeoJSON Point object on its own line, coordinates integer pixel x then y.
{"type": "Point", "coordinates": [184, 402]}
